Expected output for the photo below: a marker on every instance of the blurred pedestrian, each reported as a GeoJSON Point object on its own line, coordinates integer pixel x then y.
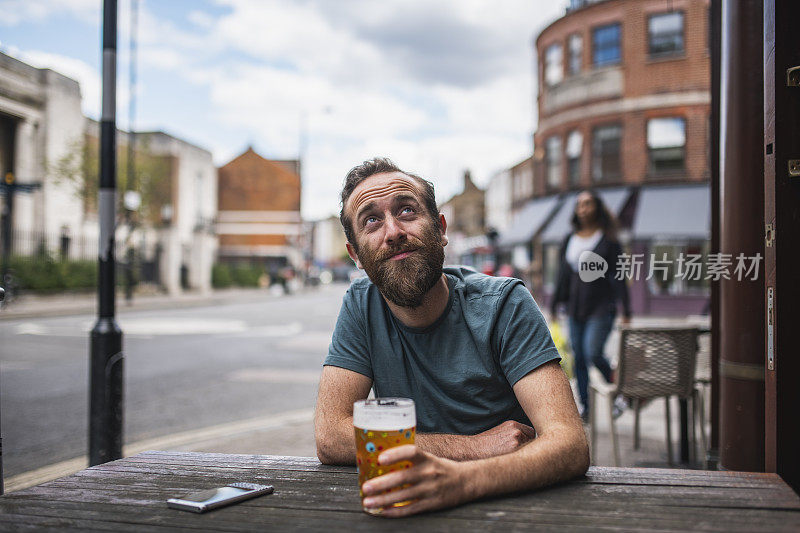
{"type": "Point", "coordinates": [591, 305]}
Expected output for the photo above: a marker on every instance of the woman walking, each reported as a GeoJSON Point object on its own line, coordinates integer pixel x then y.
{"type": "Point", "coordinates": [591, 305]}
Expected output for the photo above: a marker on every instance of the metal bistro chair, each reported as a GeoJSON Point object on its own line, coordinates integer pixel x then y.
{"type": "Point", "coordinates": [653, 363]}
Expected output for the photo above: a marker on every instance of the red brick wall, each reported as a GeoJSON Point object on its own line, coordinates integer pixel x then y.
{"type": "Point", "coordinates": [251, 182]}
{"type": "Point", "coordinates": [642, 76]}
{"type": "Point", "coordinates": [252, 240]}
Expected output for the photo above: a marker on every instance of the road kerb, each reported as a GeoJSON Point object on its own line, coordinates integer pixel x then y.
{"type": "Point", "coordinates": [191, 437]}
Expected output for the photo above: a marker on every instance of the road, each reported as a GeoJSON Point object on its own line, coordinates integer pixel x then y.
{"type": "Point", "coordinates": [185, 369]}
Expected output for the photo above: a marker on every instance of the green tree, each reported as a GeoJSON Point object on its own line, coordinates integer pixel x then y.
{"type": "Point", "coordinates": [152, 176]}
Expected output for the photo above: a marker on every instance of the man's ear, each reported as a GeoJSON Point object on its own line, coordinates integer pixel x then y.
{"type": "Point", "coordinates": [353, 255]}
{"type": "Point", "coordinates": [443, 224]}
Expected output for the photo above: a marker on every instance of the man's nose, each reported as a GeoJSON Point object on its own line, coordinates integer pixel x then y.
{"type": "Point", "coordinates": [394, 231]}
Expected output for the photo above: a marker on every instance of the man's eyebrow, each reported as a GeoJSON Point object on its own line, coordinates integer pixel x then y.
{"type": "Point", "coordinates": [405, 198]}
{"type": "Point", "coordinates": [369, 206]}
{"type": "Point", "coordinates": [400, 198]}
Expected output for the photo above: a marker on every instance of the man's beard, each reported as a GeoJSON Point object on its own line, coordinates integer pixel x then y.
{"type": "Point", "coordinates": [405, 282]}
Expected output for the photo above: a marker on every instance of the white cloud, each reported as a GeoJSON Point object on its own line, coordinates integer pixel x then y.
{"type": "Point", "coordinates": [87, 76]}
{"type": "Point", "coordinates": [438, 86]}
{"type": "Point", "coordinates": [436, 103]}
{"type": "Point", "coordinates": [15, 12]}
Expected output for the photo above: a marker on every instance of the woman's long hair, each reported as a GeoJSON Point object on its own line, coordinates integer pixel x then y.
{"type": "Point", "coordinates": [604, 218]}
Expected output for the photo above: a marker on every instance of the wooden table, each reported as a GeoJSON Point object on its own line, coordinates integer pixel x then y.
{"type": "Point", "coordinates": [130, 494]}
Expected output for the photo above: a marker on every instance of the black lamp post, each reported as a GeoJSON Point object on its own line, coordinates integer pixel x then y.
{"type": "Point", "coordinates": [105, 389]}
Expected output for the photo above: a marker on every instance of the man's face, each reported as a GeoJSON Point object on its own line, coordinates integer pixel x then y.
{"type": "Point", "coordinates": [398, 243]}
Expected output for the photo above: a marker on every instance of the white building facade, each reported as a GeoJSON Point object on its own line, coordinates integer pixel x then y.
{"type": "Point", "coordinates": [41, 123]}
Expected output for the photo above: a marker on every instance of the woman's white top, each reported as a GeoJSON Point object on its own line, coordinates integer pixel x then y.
{"type": "Point", "coordinates": [577, 245]}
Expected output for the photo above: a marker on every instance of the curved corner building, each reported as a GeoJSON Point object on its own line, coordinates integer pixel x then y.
{"type": "Point", "coordinates": [624, 107]}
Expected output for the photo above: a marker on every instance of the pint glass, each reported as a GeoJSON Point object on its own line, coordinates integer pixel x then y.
{"type": "Point", "coordinates": [380, 424]}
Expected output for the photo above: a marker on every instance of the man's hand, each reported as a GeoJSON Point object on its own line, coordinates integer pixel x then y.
{"type": "Point", "coordinates": [434, 483]}
{"type": "Point", "coordinates": [558, 453]}
{"type": "Point", "coordinates": [505, 438]}
{"type": "Point", "coordinates": [501, 439]}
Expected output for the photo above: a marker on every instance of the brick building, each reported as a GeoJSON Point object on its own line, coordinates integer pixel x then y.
{"type": "Point", "coordinates": [259, 212]}
{"type": "Point", "coordinates": [466, 225]}
{"type": "Point", "coordinates": [623, 107]}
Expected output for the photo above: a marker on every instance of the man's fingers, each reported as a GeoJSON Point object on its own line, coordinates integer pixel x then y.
{"type": "Point", "coordinates": [412, 492]}
{"type": "Point", "coordinates": [407, 452]}
{"type": "Point", "coordinates": [391, 480]}
{"type": "Point", "coordinates": [414, 507]}
{"type": "Point", "coordinates": [528, 431]}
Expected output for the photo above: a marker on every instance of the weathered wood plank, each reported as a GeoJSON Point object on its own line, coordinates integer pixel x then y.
{"type": "Point", "coordinates": [588, 508]}
{"type": "Point", "coordinates": [122, 479]}
{"type": "Point", "coordinates": [244, 517]}
{"type": "Point", "coordinates": [132, 492]}
{"type": "Point", "coordinates": [595, 474]}
{"type": "Point", "coordinates": [308, 487]}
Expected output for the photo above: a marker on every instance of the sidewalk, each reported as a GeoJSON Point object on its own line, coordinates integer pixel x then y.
{"type": "Point", "coordinates": [62, 304]}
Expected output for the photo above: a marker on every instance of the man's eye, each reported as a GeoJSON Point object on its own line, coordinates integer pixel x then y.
{"type": "Point", "coordinates": [369, 220]}
{"type": "Point", "coordinates": [407, 209]}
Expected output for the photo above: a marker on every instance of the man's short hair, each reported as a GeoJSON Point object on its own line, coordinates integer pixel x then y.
{"type": "Point", "coordinates": [379, 165]}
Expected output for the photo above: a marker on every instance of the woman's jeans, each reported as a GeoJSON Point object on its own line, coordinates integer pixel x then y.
{"type": "Point", "coordinates": [588, 339]}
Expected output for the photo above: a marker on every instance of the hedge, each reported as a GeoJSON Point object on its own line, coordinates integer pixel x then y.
{"type": "Point", "coordinates": [244, 275]}
{"type": "Point", "coordinates": [45, 274]}
{"type": "Point", "coordinates": [221, 276]}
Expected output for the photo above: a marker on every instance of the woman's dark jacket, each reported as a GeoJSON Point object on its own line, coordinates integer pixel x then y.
{"type": "Point", "coordinates": [598, 297]}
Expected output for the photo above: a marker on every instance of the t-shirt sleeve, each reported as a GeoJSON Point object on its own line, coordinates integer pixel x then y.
{"type": "Point", "coordinates": [522, 338]}
{"type": "Point", "coordinates": [349, 348]}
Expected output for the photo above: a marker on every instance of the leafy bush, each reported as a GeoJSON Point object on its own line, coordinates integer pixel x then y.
{"type": "Point", "coordinates": [80, 274]}
{"type": "Point", "coordinates": [242, 275]}
{"type": "Point", "coordinates": [45, 274]}
{"type": "Point", "coordinates": [221, 276]}
{"type": "Point", "coordinates": [247, 275]}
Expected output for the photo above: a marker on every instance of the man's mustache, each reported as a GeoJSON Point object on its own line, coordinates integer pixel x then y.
{"type": "Point", "coordinates": [387, 254]}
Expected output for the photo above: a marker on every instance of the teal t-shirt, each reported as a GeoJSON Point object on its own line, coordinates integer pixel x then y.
{"type": "Point", "coordinates": [459, 370]}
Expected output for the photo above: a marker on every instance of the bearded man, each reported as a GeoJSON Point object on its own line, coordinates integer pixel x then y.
{"type": "Point", "coordinates": [495, 412]}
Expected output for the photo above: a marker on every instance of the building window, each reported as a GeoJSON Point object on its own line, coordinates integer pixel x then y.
{"type": "Point", "coordinates": [574, 150]}
{"type": "Point", "coordinates": [606, 142]}
{"type": "Point", "coordinates": [523, 179]}
{"type": "Point", "coordinates": [553, 64]}
{"type": "Point", "coordinates": [606, 49]}
{"type": "Point", "coordinates": [575, 44]}
{"type": "Point", "coordinates": [665, 34]}
{"type": "Point", "coordinates": [553, 161]}
{"type": "Point", "coordinates": [666, 144]}
{"type": "Point", "coordinates": [680, 268]}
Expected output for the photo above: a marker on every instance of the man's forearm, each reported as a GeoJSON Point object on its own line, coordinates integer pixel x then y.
{"type": "Point", "coordinates": [455, 447]}
{"type": "Point", "coordinates": [548, 459]}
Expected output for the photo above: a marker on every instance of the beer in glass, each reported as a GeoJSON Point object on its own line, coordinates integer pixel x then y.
{"type": "Point", "coordinates": [380, 424]}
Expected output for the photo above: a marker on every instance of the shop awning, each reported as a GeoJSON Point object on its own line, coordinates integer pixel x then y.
{"type": "Point", "coordinates": [529, 221]}
{"type": "Point", "coordinates": [561, 223]}
{"type": "Point", "coordinates": [673, 212]}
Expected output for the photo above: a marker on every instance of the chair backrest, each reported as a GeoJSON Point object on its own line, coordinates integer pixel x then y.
{"type": "Point", "coordinates": [657, 362]}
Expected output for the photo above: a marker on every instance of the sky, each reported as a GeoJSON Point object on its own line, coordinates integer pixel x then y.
{"type": "Point", "coordinates": [438, 86]}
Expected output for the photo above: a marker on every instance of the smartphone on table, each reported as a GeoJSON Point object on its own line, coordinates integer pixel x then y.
{"type": "Point", "coordinates": [206, 500]}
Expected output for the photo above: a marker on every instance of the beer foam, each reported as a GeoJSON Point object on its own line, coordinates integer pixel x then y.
{"type": "Point", "coordinates": [384, 414]}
